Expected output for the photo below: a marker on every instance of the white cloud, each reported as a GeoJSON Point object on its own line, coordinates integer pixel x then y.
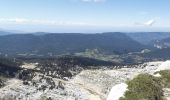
{"type": "Point", "coordinates": [150, 22]}
{"type": "Point", "coordinates": [42, 22]}
{"type": "Point", "coordinates": [14, 20]}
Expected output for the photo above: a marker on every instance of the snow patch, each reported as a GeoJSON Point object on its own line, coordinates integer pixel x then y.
{"type": "Point", "coordinates": [29, 65]}
{"type": "Point", "coordinates": [157, 75]}
{"type": "Point", "coordinates": [117, 91]}
{"type": "Point", "coordinates": [164, 66]}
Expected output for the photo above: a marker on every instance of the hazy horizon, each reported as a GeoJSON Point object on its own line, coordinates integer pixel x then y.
{"type": "Point", "coordinates": [85, 16]}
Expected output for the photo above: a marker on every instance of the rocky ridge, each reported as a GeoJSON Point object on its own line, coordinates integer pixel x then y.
{"type": "Point", "coordinates": [94, 84]}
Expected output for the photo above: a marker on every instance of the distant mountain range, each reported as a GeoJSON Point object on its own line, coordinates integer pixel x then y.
{"type": "Point", "coordinates": [160, 44]}
{"type": "Point", "coordinates": [110, 43]}
{"type": "Point", "coordinates": [4, 33]}
{"type": "Point", "coordinates": [162, 51]}
{"type": "Point", "coordinates": [118, 43]}
{"type": "Point", "coordinates": [148, 37]}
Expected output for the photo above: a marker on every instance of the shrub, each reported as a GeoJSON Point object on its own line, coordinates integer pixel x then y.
{"type": "Point", "coordinates": [144, 87]}
{"type": "Point", "coordinates": [2, 81]}
{"type": "Point", "coordinates": [165, 75]}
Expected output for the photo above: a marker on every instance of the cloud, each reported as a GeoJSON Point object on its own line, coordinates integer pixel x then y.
{"type": "Point", "coordinates": [14, 20]}
{"type": "Point", "coordinates": [41, 22]}
{"type": "Point", "coordinates": [150, 22]}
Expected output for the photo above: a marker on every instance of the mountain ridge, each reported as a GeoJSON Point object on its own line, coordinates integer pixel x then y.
{"type": "Point", "coordinates": [68, 43]}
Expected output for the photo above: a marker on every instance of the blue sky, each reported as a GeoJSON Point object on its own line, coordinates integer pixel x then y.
{"type": "Point", "coordinates": [85, 15]}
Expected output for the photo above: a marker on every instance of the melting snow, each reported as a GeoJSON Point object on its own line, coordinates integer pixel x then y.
{"type": "Point", "coordinates": [165, 65]}
{"type": "Point", "coordinates": [117, 91]}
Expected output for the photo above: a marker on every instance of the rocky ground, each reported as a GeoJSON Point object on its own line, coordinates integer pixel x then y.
{"type": "Point", "coordinates": [87, 85]}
